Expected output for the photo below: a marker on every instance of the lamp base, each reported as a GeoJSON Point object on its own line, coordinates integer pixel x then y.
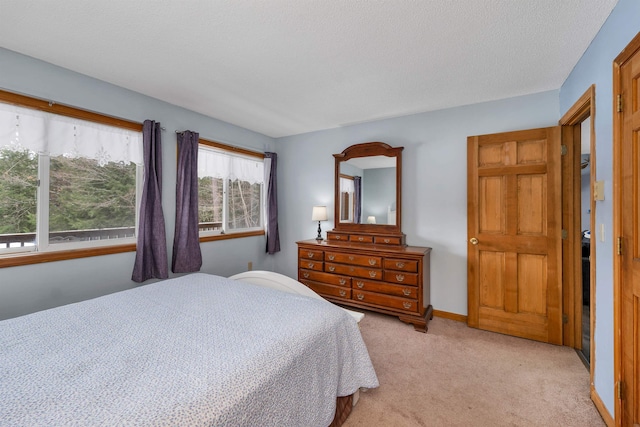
{"type": "Point", "coordinates": [319, 238]}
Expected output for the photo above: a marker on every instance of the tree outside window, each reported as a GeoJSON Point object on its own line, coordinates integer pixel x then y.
{"type": "Point", "coordinates": [230, 191]}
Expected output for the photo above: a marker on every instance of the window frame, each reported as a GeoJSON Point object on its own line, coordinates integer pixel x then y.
{"type": "Point", "coordinates": [225, 235]}
{"type": "Point", "coordinates": [13, 259]}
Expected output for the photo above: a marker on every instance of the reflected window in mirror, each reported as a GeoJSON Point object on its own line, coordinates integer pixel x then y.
{"type": "Point", "coordinates": [347, 193]}
{"type": "Point", "coordinates": [372, 190]}
{"type": "Point", "coordinates": [374, 204]}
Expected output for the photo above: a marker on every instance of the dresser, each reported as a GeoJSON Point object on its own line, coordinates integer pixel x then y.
{"type": "Point", "coordinates": [371, 271]}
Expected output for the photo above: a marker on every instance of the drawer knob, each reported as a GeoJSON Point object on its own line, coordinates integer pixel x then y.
{"type": "Point", "coordinates": [350, 258]}
{"type": "Point", "coordinates": [372, 261]}
{"type": "Point", "coordinates": [360, 284]}
{"type": "Point", "coordinates": [331, 257]}
{"type": "Point", "coordinates": [387, 240]}
{"type": "Point", "coordinates": [400, 264]}
{"type": "Point", "coordinates": [343, 281]}
{"type": "Point", "coordinates": [310, 265]}
{"type": "Point", "coordinates": [400, 277]}
{"type": "Point", "coordinates": [406, 305]}
{"type": "Point", "coordinates": [406, 292]}
{"type": "Point", "coordinates": [372, 273]}
{"type": "Point", "coordinates": [361, 238]}
{"type": "Point", "coordinates": [338, 237]}
{"type": "Point", "coordinates": [310, 254]}
{"type": "Point", "coordinates": [306, 275]}
{"type": "Point", "coordinates": [332, 268]}
{"type": "Point", "coordinates": [360, 296]}
{"type": "Point", "coordinates": [342, 292]}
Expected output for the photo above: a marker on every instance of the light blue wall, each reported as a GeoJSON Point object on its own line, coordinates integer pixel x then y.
{"type": "Point", "coordinates": [36, 287]}
{"type": "Point", "coordinates": [595, 67]}
{"type": "Point", "coordinates": [378, 193]}
{"type": "Point", "coordinates": [434, 177]}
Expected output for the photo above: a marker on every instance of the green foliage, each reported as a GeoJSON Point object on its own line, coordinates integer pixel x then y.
{"type": "Point", "coordinates": [209, 199]}
{"type": "Point", "coordinates": [82, 194]}
{"type": "Point", "coordinates": [18, 191]}
{"type": "Point", "coordinates": [244, 204]}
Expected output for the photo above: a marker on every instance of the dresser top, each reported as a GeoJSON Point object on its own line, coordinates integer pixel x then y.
{"type": "Point", "coordinates": [400, 250]}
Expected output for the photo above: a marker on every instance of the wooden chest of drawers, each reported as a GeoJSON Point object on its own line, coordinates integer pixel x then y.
{"type": "Point", "coordinates": [378, 277]}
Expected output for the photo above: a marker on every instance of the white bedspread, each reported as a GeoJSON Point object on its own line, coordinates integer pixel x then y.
{"type": "Point", "coordinates": [190, 351]}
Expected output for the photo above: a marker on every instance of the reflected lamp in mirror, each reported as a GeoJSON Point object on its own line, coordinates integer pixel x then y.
{"type": "Point", "coordinates": [319, 214]}
{"type": "Point", "coordinates": [371, 219]}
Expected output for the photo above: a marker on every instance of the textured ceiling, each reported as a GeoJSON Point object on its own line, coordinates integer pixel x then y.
{"type": "Point", "coordinates": [284, 67]}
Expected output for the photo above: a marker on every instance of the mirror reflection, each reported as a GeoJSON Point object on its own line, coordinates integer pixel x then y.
{"type": "Point", "coordinates": [368, 190]}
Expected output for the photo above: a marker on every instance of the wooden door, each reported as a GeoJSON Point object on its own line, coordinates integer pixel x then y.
{"type": "Point", "coordinates": [627, 217]}
{"type": "Point", "coordinates": [514, 232]}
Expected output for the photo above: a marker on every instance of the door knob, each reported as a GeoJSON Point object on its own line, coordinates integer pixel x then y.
{"type": "Point", "coordinates": [473, 241]}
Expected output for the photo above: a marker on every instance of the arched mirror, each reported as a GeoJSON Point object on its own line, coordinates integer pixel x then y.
{"type": "Point", "coordinates": [368, 188]}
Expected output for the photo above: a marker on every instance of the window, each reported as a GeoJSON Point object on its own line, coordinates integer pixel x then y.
{"type": "Point", "coordinates": [347, 193]}
{"type": "Point", "coordinates": [231, 190]}
{"type": "Point", "coordinates": [66, 183]}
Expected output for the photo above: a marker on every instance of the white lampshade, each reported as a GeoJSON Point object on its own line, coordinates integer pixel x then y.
{"type": "Point", "coordinates": [371, 219]}
{"type": "Point", "coordinates": [319, 213]}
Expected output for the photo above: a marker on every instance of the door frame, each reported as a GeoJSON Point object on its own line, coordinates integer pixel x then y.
{"type": "Point", "coordinates": [624, 56]}
{"type": "Point", "coordinates": [583, 108]}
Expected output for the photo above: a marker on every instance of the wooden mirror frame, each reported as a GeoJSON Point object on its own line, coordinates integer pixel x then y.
{"type": "Point", "coordinates": [369, 149]}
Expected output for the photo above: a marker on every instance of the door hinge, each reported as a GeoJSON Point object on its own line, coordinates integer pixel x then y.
{"type": "Point", "coordinates": [619, 245]}
{"type": "Point", "coordinates": [565, 318]}
{"type": "Point", "coordinates": [563, 150]}
{"type": "Point", "coordinates": [620, 390]}
{"type": "Point", "coordinates": [564, 234]}
{"type": "Point", "coordinates": [619, 103]}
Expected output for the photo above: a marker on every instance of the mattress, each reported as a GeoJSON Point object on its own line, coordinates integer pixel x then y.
{"type": "Point", "coordinates": [194, 350]}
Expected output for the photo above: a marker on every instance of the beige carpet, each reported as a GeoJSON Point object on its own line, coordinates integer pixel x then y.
{"type": "Point", "coordinates": [459, 376]}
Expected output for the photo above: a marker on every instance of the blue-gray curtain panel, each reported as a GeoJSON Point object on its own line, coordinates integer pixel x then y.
{"type": "Point", "coordinates": [151, 252]}
{"type": "Point", "coordinates": [357, 199]}
{"type": "Point", "coordinates": [187, 256]}
{"type": "Point", "coordinates": [273, 235]}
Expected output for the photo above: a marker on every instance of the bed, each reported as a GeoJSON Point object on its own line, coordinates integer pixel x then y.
{"type": "Point", "coordinates": [284, 283]}
{"type": "Point", "coordinates": [194, 350]}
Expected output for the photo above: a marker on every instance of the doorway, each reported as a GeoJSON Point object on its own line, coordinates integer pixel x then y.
{"type": "Point", "coordinates": [585, 239]}
{"type": "Point", "coordinates": [578, 218]}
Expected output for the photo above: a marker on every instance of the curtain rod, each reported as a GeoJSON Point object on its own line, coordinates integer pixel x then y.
{"type": "Point", "coordinates": [231, 145]}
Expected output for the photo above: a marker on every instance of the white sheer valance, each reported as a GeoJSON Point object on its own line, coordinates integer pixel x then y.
{"type": "Point", "coordinates": [221, 165]}
{"type": "Point", "coordinates": [41, 132]}
{"type": "Point", "coordinates": [347, 185]}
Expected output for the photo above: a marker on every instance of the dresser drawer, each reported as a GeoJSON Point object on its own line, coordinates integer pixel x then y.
{"type": "Point", "coordinates": [310, 254]}
{"type": "Point", "coordinates": [401, 265]}
{"type": "Point", "coordinates": [401, 277]}
{"type": "Point", "coordinates": [359, 238]}
{"type": "Point", "coordinates": [369, 273]}
{"type": "Point", "coordinates": [339, 237]}
{"type": "Point", "coordinates": [365, 260]}
{"type": "Point", "coordinates": [332, 279]}
{"type": "Point", "coordinates": [387, 240]}
{"type": "Point", "coordinates": [311, 265]}
{"type": "Point", "coordinates": [385, 288]}
{"type": "Point", "coordinates": [329, 290]}
{"type": "Point", "coordinates": [398, 303]}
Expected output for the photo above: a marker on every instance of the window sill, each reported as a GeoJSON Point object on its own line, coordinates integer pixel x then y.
{"type": "Point", "coordinates": [20, 259]}
{"type": "Point", "coordinates": [232, 236]}
{"type": "Point", "coordinates": [15, 260]}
